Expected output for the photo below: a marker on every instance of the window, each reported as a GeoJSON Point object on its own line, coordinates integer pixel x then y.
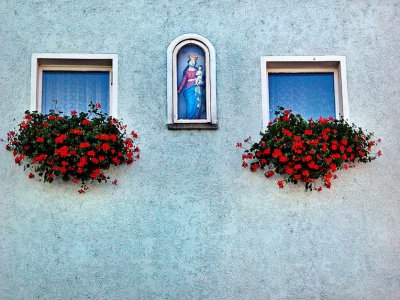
{"type": "Point", "coordinates": [313, 86]}
{"type": "Point", "coordinates": [66, 82]}
{"type": "Point", "coordinates": [191, 83]}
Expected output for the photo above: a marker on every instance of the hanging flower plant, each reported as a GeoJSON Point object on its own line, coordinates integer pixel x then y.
{"type": "Point", "coordinates": [78, 147]}
{"type": "Point", "coordinates": [308, 151]}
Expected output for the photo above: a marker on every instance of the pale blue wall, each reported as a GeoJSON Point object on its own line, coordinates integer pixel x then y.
{"type": "Point", "coordinates": [186, 222]}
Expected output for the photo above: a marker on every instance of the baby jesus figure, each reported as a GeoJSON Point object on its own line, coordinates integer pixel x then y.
{"type": "Point", "coordinates": [199, 76]}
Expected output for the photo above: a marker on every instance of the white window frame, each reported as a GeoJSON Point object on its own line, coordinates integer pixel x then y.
{"type": "Point", "coordinates": [306, 64]}
{"type": "Point", "coordinates": [172, 85]}
{"type": "Point", "coordinates": [72, 62]}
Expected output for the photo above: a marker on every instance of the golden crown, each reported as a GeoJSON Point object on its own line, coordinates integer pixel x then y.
{"type": "Point", "coordinates": [193, 57]}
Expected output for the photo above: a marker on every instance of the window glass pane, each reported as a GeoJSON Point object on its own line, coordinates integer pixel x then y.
{"type": "Point", "coordinates": [310, 94]}
{"type": "Point", "coordinates": [191, 83]}
{"type": "Point", "coordinates": [71, 90]}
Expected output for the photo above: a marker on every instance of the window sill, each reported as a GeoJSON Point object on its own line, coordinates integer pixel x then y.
{"type": "Point", "coordinates": [191, 126]}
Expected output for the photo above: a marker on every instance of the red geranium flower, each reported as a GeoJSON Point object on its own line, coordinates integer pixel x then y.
{"type": "Point", "coordinates": [269, 174]}
{"type": "Point", "coordinates": [313, 165]}
{"type": "Point", "coordinates": [82, 162]}
{"type": "Point", "coordinates": [305, 173]}
{"type": "Point", "coordinates": [289, 170]}
{"type": "Point", "coordinates": [283, 159]}
{"type": "Point", "coordinates": [308, 132]}
{"type": "Point", "coordinates": [287, 132]}
{"type": "Point", "coordinates": [95, 173]}
{"type": "Point", "coordinates": [322, 120]}
{"type": "Point", "coordinates": [76, 131]}
{"type": "Point", "coordinates": [103, 137]}
{"type": "Point", "coordinates": [267, 151]}
{"type": "Point", "coordinates": [113, 137]}
{"type": "Point", "coordinates": [116, 160]}
{"type": "Point", "coordinates": [105, 147]}
{"type": "Point", "coordinates": [60, 139]}
{"type": "Point", "coordinates": [63, 151]}
{"type": "Point", "coordinates": [297, 167]}
{"type": "Point", "coordinates": [277, 153]}
{"type": "Point", "coordinates": [84, 145]}
{"type": "Point", "coordinates": [39, 158]}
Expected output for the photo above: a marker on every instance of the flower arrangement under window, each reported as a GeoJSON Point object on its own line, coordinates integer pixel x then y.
{"type": "Point", "coordinates": [308, 151]}
{"type": "Point", "coordinates": [77, 147]}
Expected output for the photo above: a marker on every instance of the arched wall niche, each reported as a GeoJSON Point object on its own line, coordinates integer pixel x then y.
{"type": "Point", "coordinates": [191, 83]}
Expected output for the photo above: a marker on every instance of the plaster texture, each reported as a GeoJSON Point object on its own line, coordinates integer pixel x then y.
{"type": "Point", "coordinates": [187, 222]}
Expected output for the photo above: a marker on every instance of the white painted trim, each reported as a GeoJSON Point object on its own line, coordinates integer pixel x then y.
{"type": "Point", "coordinates": [36, 74]}
{"type": "Point", "coordinates": [74, 56]}
{"type": "Point", "coordinates": [34, 82]}
{"type": "Point", "coordinates": [172, 97]}
{"type": "Point", "coordinates": [74, 68]}
{"type": "Point", "coordinates": [301, 70]}
{"type": "Point", "coordinates": [343, 87]}
{"type": "Point", "coordinates": [327, 58]}
{"type": "Point", "coordinates": [264, 93]}
{"type": "Point", "coordinates": [314, 64]}
{"type": "Point", "coordinates": [337, 93]}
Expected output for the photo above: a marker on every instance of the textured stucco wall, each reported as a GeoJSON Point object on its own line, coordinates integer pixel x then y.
{"type": "Point", "coordinates": [186, 222]}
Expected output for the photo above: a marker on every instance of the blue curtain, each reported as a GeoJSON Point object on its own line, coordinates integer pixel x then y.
{"type": "Point", "coordinates": [310, 94]}
{"type": "Point", "coordinates": [71, 90]}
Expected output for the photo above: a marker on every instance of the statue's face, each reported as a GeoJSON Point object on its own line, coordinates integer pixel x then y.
{"type": "Point", "coordinates": [192, 63]}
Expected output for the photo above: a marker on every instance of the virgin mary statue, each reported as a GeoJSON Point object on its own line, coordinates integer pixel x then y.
{"type": "Point", "coordinates": [191, 87]}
